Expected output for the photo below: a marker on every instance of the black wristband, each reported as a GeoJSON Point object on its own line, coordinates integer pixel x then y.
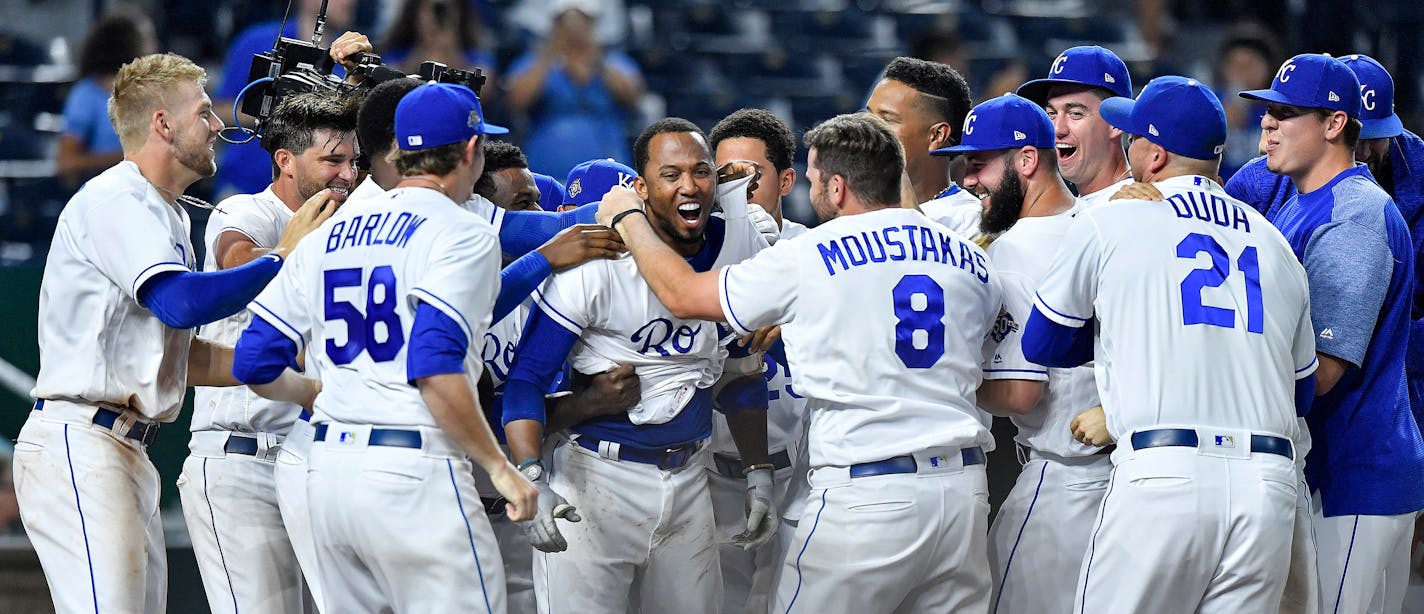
{"type": "Point", "coordinates": [620, 216]}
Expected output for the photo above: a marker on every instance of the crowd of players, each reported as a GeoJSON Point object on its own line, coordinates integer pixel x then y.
{"type": "Point", "coordinates": [679, 400]}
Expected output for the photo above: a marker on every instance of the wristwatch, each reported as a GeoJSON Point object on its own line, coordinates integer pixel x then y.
{"type": "Point", "coordinates": [532, 469]}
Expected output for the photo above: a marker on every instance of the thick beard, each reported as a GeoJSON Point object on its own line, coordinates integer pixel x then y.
{"type": "Point", "coordinates": [676, 232]}
{"type": "Point", "coordinates": [1005, 204]}
{"type": "Point", "coordinates": [198, 159]}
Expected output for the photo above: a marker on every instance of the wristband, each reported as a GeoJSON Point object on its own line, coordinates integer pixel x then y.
{"type": "Point", "coordinates": [620, 216]}
{"type": "Point", "coordinates": [750, 468]}
{"type": "Point", "coordinates": [532, 461]}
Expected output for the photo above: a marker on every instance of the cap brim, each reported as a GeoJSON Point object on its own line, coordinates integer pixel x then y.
{"type": "Point", "coordinates": [961, 149]}
{"type": "Point", "coordinates": [1270, 96]}
{"type": "Point", "coordinates": [1037, 90]}
{"type": "Point", "coordinates": [1117, 112]}
{"type": "Point", "coordinates": [493, 129]}
{"type": "Point", "coordinates": [1382, 128]}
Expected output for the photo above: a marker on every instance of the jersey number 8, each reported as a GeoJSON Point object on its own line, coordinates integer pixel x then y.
{"type": "Point", "coordinates": [919, 326]}
{"type": "Point", "coordinates": [361, 328]}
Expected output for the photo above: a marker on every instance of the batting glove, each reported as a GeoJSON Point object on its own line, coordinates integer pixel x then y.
{"type": "Point", "coordinates": [762, 520]}
{"type": "Point", "coordinates": [765, 224]}
{"type": "Point", "coordinates": [542, 530]}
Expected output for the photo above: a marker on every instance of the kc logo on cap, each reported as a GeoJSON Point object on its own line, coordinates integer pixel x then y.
{"type": "Point", "coordinates": [1088, 65]}
{"type": "Point", "coordinates": [1004, 122]}
{"type": "Point", "coordinates": [1376, 98]}
{"type": "Point", "coordinates": [1313, 81]}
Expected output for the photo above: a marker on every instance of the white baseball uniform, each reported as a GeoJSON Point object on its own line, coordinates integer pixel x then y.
{"type": "Point", "coordinates": [396, 517]}
{"type": "Point", "coordinates": [648, 535]}
{"type": "Point", "coordinates": [957, 209]}
{"type": "Point", "coordinates": [748, 578]}
{"type": "Point", "coordinates": [1090, 201]}
{"type": "Point", "coordinates": [1041, 532]}
{"type": "Point", "coordinates": [228, 485]}
{"type": "Point", "coordinates": [884, 316]}
{"type": "Point", "coordinates": [1203, 328]}
{"type": "Point", "coordinates": [88, 494]}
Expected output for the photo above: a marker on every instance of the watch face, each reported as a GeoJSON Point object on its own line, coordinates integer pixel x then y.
{"type": "Point", "coordinates": [533, 472]}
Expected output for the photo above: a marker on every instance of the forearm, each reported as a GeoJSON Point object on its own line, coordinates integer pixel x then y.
{"type": "Point", "coordinates": [210, 364]}
{"type": "Point", "coordinates": [526, 439]}
{"type": "Point", "coordinates": [527, 87]}
{"type": "Point", "coordinates": [668, 274]}
{"type": "Point", "coordinates": [748, 428]}
{"type": "Point", "coordinates": [1009, 397]}
{"type": "Point", "coordinates": [518, 280]}
{"type": "Point", "coordinates": [1328, 374]}
{"type": "Point", "coordinates": [239, 256]}
{"type": "Point", "coordinates": [452, 402]}
{"type": "Point", "coordinates": [567, 410]}
{"type": "Point", "coordinates": [626, 89]}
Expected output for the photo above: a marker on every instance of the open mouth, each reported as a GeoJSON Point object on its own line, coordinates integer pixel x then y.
{"type": "Point", "coordinates": [691, 213]}
{"type": "Point", "coordinates": [339, 192]}
{"type": "Point", "coordinates": [1066, 151]}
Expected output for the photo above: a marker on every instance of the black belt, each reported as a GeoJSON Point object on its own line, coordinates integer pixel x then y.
{"type": "Point", "coordinates": [396, 438]}
{"type": "Point", "coordinates": [731, 466]}
{"type": "Point", "coordinates": [907, 464]}
{"type": "Point", "coordinates": [237, 444]}
{"type": "Point", "coordinates": [669, 458]}
{"type": "Point", "coordinates": [1187, 438]}
{"type": "Point", "coordinates": [140, 431]}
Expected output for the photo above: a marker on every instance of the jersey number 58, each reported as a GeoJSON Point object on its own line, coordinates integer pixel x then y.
{"type": "Point", "coordinates": [362, 328]}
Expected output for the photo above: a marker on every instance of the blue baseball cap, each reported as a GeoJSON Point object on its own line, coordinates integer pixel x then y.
{"type": "Point", "coordinates": [1088, 65]}
{"type": "Point", "coordinates": [589, 181]}
{"type": "Point", "coordinates": [1006, 122]}
{"type": "Point", "coordinates": [1313, 80]}
{"type": "Point", "coordinates": [438, 114]}
{"type": "Point", "coordinates": [1376, 98]}
{"type": "Point", "coordinates": [551, 192]}
{"type": "Point", "coordinates": [1180, 114]}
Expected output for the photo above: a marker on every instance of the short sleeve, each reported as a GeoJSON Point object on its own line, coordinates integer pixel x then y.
{"type": "Point", "coordinates": [462, 279]}
{"type": "Point", "coordinates": [624, 64]}
{"type": "Point", "coordinates": [78, 117]}
{"type": "Point", "coordinates": [250, 218]}
{"type": "Point", "coordinates": [1070, 286]}
{"type": "Point", "coordinates": [143, 248]}
{"type": "Point", "coordinates": [283, 303]}
{"type": "Point", "coordinates": [1349, 267]}
{"type": "Point", "coordinates": [760, 291]}
{"type": "Point", "coordinates": [568, 297]}
{"type": "Point", "coordinates": [1006, 337]}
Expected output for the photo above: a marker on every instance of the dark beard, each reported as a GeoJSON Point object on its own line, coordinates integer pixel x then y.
{"type": "Point", "coordinates": [1004, 204]}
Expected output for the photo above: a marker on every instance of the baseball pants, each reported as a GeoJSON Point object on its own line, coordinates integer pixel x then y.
{"type": "Point", "coordinates": [1183, 531]}
{"type": "Point", "coordinates": [1039, 538]}
{"type": "Point", "coordinates": [912, 542]}
{"type": "Point", "coordinates": [646, 542]}
{"type": "Point", "coordinates": [747, 576]}
{"type": "Point", "coordinates": [290, 481]}
{"type": "Point", "coordinates": [514, 549]}
{"type": "Point", "coordinates": [400, 529]}
{"type": "Point", "coordinates": [89, 502]}
{"type": "Point", "coordinates": [1354, 554]}
{"type": "Point", "coordinates": [230, 505]}
{"type": "Point", "coordinates": [1302, 593]}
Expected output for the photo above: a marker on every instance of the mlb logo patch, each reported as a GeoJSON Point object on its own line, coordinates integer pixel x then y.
{"type": "Point", "coordinates": [938, 461]}
{"type": "Point", "coordinates": [346, 437]}
{"type": "Point", "coordinates": [1224, 441]}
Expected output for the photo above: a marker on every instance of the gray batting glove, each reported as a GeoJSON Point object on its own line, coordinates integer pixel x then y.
{"type": "Point", "coordinates": [762, 520]}
{"type": "Point", "coordinates": [765, 224]}
{"type": "Point", "coordinates": [542, 530]}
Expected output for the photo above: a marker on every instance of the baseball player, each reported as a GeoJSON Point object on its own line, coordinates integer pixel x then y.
{"type": "Point", "coordinates": [1200, 508]}
{"type": "Point", "coordinates": [748, 578]}
{"type": "Point", "coordinates": [507, 181]}
{"type": "Point", "coordinates": [117, 311]}
{"type": "Point", "coordinates": [228, 485]}
{"type": "Point", "coordinates": [1041, 532]}
{"type": "Point", "coordinates": [925, 104]}
{"type": "Point", "coordinates": [1356, 248]}
{"type": "Point", "coordinates": [551, 192]}
{"type": "Point", "coordinates": [646, 537]}
{"type": "Point", "coordinates": [884, 315]}
{"type": "Point", "coordinates": [405, 287]}
{"type": "Point", "coordinates": [588, 181]}
{"type": "Point", "coordinates": [1090, 152]}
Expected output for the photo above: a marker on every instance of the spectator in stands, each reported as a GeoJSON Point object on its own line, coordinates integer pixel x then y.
{"type": "Point", "coordinates": [577, 94]}
{"type": "Point", "coordinates": [246, 169]}
{"type": "Point", "coordinates": [1244, 61]}
{"type": "Point", "coordinates": [88, 144]}
{"type": "Point", "coordinates": [446, 31]}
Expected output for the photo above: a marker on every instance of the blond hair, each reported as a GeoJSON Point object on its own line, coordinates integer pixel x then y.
{"type": "Point", "coordinates": [142, 87]}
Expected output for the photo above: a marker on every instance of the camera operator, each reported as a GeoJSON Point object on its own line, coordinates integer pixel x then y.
{"type": "Point", "coordinates": [246, 553]}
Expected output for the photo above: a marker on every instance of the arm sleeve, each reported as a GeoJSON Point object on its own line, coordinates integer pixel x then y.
{"type": "Point", "coordinates": [524, 231]}
{"type": "Point", "coordinates": [188, 299]}
{"type": "Point", "coordinates": [518, 280]}
{"type": "Point", "coordinates": [537, 361]}
{"type": "Point", "coordinates": [760, 291]}
{"type": "Point", "coordinates": [1349, 267]}
{"type": "Point", "coordinates": [262, 353]}
{"type": "Point", "coordinates": [437, 345]}
{"type": "Point", "coordinates": [1304, 394]}
{"type": "Point", "coordinates": [1046, 342]}
{"type": "Point", "coordinates": [1007, 359]}
{"type": "Point", "coordinates": [1244, 186]}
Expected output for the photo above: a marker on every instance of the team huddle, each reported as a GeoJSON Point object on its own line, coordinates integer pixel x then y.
{"type": "Point", "coordinates": [420, 391]}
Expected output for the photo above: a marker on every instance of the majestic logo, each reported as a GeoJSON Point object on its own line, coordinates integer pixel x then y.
{"type": "Point", "coordinates": [1152, 130]}
{"type": "Point", "coordinates": [576, 187]}
{"type": "Point", "coordinates": [1327, 334]}
{"type": "Point", "coordinates": [474, 119]}
{"type": "Point", "coordinates": [1283, 75]}
{"type": "Point", "coordinates": [1058, 64]}
{"type": "Point", "coordinates": [1367, 98]}
{"type": "Point", "coordinates": [1019, 136]}
{"type": "Point", "coordinates": [969, 123]}
{"type": "Point", "coordinates": [1334, 97]}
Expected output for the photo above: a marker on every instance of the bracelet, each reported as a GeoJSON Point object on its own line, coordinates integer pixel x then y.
{"type": "Point", "coordinates": [620, 216]}
{"type": "Point", "coordinates": [532, 461]}
{"type": "Point", "coordinates": [750, 468]}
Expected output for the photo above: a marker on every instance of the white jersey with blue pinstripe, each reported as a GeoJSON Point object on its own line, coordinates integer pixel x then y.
{"type": "Point", "coordinates": [1022, 255]}
{"type": "Point", "coordinates": [97, 343]}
